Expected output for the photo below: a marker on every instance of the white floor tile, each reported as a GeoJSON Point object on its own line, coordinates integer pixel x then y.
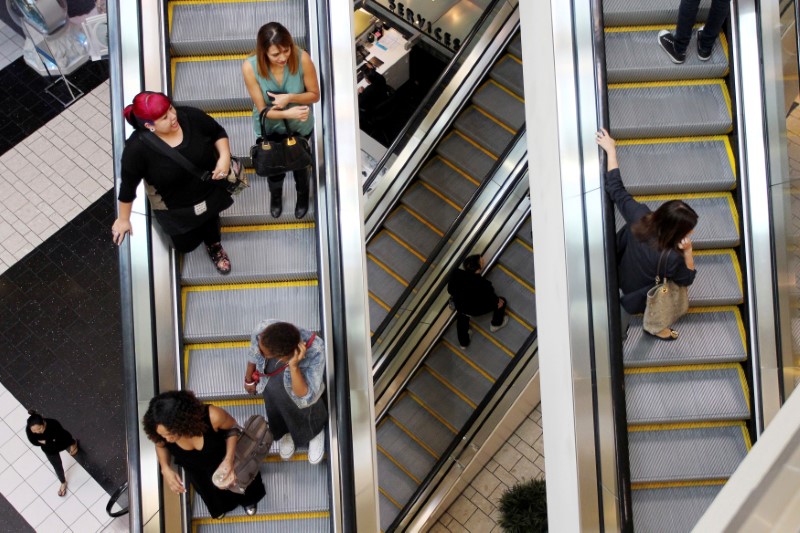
{"type": "Point", "coordinates": [28, 463]}
{"type": "Point", "coordinates": [5, 431]}
{"type": "Point", "coordinates": [9, 480]}
{"type": "Point", "coordinates": [3, 464]}
{"type": "Point", "coordinates": [89, 492]}
{"type": "Point", "coordinates": [36, 512]}
{"type": "Point", "coordinates": [13, 449]}
{"type": "Point", "coordinates": [22, 496]}
{"type": "Point", "coordinates": [17, 418]}
{"type": "Point", "coordinates": [8, 404]}
{"type": "Point", "coordinates": [68, 461]}
{"type": "Point", "coordinates": [71, 509]}
{"type": "Point", "coordinates": [86, 522]}
{"type": "Point", "coordinates": [76, 477]}
{"type": "Point", "coordinates": [118, 525]}
{"type": "Point", "coordinates": [52, 524]}
{"type": "Point", "coordinates": [43, 477]}
{"type": "Point", "coordinates": [50, 494]}
{"type": "Point", "coordinates": [98, 509]}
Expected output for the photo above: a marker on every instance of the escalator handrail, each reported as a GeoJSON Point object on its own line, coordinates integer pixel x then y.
{"type": "Point", "coordinates": [441, 81]}
{"type": "Point", "coordinates": [113, 499]}
{"type": "Point", "coordinates": [616, 364]}
{"type": "Point", "coordinates": [449, 233]}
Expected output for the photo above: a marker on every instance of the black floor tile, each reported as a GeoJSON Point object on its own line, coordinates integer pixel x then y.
{"type": "Point", "coordinates": [12, 520]}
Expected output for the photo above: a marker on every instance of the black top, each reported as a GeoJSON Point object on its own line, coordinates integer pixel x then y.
{"type": "Point", "coordinates": [472, 294]}
{"type": "Point", "coordinates": [638, 261]}
{"type": "Point", "coordinates": [55, 437]}
{"type": "Point", "coordinates": [176, 185]}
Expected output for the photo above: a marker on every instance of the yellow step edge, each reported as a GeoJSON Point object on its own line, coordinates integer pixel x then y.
{"type": "Point", "coordinates": [675, 140]}
{"type": "Point", "coordinates": [450, 387]}
{"type": "Point", "coordinates": [524, 245]}
{"type": "Point", "coordinates": [667, 83]}
{"type": "Point", "coordinates": [440, 195]}
{"type": "Point", "coordinates": [201, 2]}
{"type": "Point", "coordinates": [491, 338]}
{"type": "Point", "coordinates": [405, 245]}
{"type": "Point", "coordinates": [516, 278]}
{"type": "Point", "coordinates": [230, 114]}
{"type": "Point", "coordinates": [260, 518]}
{"type": "Point", "coordinates": [677, 484]}
{"type": "Point", "coordinates": [215, 345]}
{"type": "Point", "coordinates": [519, 319]}
{"type": "Point", "coordinates": [386, 454]}
{"type": "Point", "coordinates": [441, 420]}
{"type": "Point", "coordinates": [491, 117]}
{"type": "Point", "coordinates": [726, 309]}
{"type": "Point", "coordinates": [504, 88]}
{"type": "Point", "coordinates": [635, 428]}
{"type": "Point", "coordinates": [246, 286]}
{"type": "Point", "coordinates": [379, 301]}
{"type": "Point", "coordinates": [269, 227]}
{"type": "Point", "coordinates": [298, 457]}
{"type": "Point", "coordinates": [413, 437]}
{"type": "Point", "coordinates": [458, 170]}
{"type": "Point", "coordinates": [386, 495]}
{"type": "Point", "coordinates": [468, 361]}
{"type": "Point", "coordinates": [476, 145]}
{"type": "Point", "coordinates": [644, 27]}
{"type": "Point", "coordinates": [388, 270]}
{"type": "Point", "coordinates": [421, 219]}
{"type": "Point", "coordinates": [210, 57]}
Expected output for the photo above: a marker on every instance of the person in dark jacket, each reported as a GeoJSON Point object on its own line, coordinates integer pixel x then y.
{"type": "Point", "coordinates": [473, 295]}
{"type": "Point", "coordinates": [652, 243]}
{"type": "Point", "coordinates": [48, 434]}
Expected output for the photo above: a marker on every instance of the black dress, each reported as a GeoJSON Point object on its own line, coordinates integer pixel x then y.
{"type": "Point", "coordinates": [200, 465]}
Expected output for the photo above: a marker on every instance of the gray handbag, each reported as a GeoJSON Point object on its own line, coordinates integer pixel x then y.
{"type": "Point", "coordinates": [666, 301]}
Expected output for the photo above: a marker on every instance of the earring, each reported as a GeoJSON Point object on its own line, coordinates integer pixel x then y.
{"type": "Point", "coordinates": [152, 129]}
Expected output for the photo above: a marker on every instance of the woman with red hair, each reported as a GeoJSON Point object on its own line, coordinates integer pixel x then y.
{"type": "Point", "coordinates": [186, 206]}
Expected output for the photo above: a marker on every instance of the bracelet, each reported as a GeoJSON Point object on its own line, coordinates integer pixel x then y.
{"type": "Point", "coordinates": [249, 383]}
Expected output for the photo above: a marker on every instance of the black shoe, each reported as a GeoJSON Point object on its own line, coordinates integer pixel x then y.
{"type": "Point", "coordinates": [667, 42]}
{"type": "Point", "coordinates": [276, 206]}
{"type": "Point", "coordinates": [251, 509]}
{"type": "Point", "coordinates": [301, 208]}
{"type": "Point", "coordinates": [702, 53]}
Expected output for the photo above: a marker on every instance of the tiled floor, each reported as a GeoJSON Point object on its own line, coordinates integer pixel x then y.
{"type": "Point", "coordinates": [10, 45]}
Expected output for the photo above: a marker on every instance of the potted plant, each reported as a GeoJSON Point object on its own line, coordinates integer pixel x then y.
{"type": "Point", "coordinates": [523, 507]}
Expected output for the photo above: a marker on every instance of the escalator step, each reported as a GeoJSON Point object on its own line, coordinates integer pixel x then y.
{"type": "Point", "coordinates": [501, 103]}
{"type": "Point", "coordinates": [526, 233]}
{"type": "Point", "coordinates": [211, 84]}
{"type": "Point", "coordinates": [392, 253]}
{"type": "Point", "coordinates": [717, 226]}
{"type": "Point", "coordinates": [492, 135]}
{"type": "Point", "coordinates": [409, 229]}
{"type": "Point", "coordinates": [383, 284]}
{"type": "Point", "coordinates": [266, 253]}
{"type": "Point", "coordinates": [686, 394]}
{"type": "Point", "coordinates": [452, 183]}
{"type": "Point", "coordinates": [677, 165]}
{"type": "Point", "coordinates": [388, 511]}
{"type": "Point", "coordinates": [439, 399]}
{"type": "Point", "coordinates": [718, 280]}
{"type": "Point", "coordinates": [235, 25]}
{"type": "Point", "coordinates": [239, 125]}
{"type": "Point", "coordinates": [315, 523]}
{"type": "Point", "coordinates": [671, 508]}
{"type": "Point", "coordinates": [482, 349]}
{"type": "Point", "coordinates": [395, 483]}
{"type": "Point", "coordinates": [519, 297]}
{"type": "Point", "coordinates": [645, 12]}
{"type": "Point", "coordinates": [251, 206]}
{"type": "Point", "coordinates": [457, 372]}
{"type": "Point", "coordinates": [432, 207]}
{"type": "Point", "coordinates": [215, 371]}
{"type": "Point", "coordinates": [669, 109]}
{"type": "Point", "coordinates": [515, 46]}
{"type": "Point", "coordinates": [377, 314]}
{"type": "Point", "coordinates": [519, 260]}
{"type": "Point", "coordinates": [714, 336]}
{"type": "Point", "coordinates": [465, 155]}
{"type": "Point", "coordinates": [508, 73]}
{"type": "Point", "coordinates": [663, 454]}
{"type": "Point", "coordinates": [426, 427]}
{"type": "Point", "coordinates": [217, 313]}
{"type": "Point", "coordinates": [403, 449]}
{"type": "Point", "coordinates": [634, 55]}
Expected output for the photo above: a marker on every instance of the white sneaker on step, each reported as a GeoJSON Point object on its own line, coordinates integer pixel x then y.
{"type": "Point", "coordinates": [316, 448]}
{"type": "Point", "coordinates": [286, 447]}
{"type": "Point", "coordinates": [493, 328]}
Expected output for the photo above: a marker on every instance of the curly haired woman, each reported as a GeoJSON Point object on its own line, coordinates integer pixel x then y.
{"type": "Point", "coordinates": [200, 439]}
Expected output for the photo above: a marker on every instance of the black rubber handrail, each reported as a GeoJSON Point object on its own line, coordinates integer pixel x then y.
{"type": "Point", "coordinates": [114, 498]}
{"type": "Point", "coordinates": [449, 233]}
{"type": "Point", "coordinates": [436, 89]}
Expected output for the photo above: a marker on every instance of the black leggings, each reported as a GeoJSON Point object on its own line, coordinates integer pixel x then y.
{"type": "Point", "coordinates": [209, 233]}
{"type": "Point", "coordinates": [58, 466]}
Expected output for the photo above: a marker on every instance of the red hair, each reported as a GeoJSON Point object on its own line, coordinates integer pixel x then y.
{"type": "Point", "coordinates": [147, 106]}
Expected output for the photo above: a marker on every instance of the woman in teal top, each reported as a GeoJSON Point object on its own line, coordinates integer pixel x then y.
{"type": "Point", "coordinates": [284, 74]}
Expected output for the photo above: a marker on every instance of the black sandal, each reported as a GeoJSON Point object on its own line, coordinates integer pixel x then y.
{"type": "Point", "coordinates": [673, 335]}
{"type": "Point", "coordinates": [220, 258]}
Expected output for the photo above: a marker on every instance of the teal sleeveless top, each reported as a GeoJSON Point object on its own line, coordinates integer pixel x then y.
{"type": "Point", "coordinates": [292, 84]}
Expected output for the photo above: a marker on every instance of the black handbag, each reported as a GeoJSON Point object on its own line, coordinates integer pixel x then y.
{"type": "Point", "coordinates": [273, 157]}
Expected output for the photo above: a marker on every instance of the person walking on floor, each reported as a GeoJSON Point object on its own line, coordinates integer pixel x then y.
{"type": "Point", "coordinates": [473, 295]}
{"type": "Point", "coordinates": [676, 44]}
{"type": "Point", "coordinates": [51, 436]}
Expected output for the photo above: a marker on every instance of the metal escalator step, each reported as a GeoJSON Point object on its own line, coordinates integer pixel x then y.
{"type": "Point", "coordinates": [458, 373]}
{"type": "Point", "coordinates": [251, 206]}
{"type": "Point", "coordinates": [388, 511]}
{"type": "Point", "coordinates": [670, 109]}
{"type": "Point", "coordinates": [718, 280]}
{"type": "Point", "coordinates": [239, 126]}
{"type": "Point", "coordinates": [235, 25]}
{"type": "Point", "coordinates": [715, 336]}
{"type": "Point", "coordinates": [292, 487]}
{"type": "Point", "coordinates": [465, 155]}
{"type": "Point", "coordinates": [520, 299]}
{"type": "Point", "coordinates": [519, 260]}
{"type": "Point", "coordinates": [211, 84]}
{"type": "Point", "coordinates": [382, 284]}
{"type": "Point", "coordinates": [677, 165]}
{"type": "Point", "coordinates": [316, 523]}
{"type": "Point", "coordinates": [230, 312]}
{"type": "Point", "coordinates": [634, 55]}
{"type": "Point", "coordinates": [501, 103]}
{"type": "Point", "coordinates": [515, 46]}
{"type": "Point", "coordinates": [482, 349]}
{"type": "Point", "coordinates": [377, 314]}
{"type": "Point", "coordinates": [686, 394]}
{"type": "Point", "coordinates": [269, 253]}
{"type": "Point", "coordinates": [439, 399]}
{"type": "Point", "coordinates": [395, 483]}
{"type": "Point", "coordinates": [525, 233]}
{"type": "Point", "coordinates": [508, 73]}
{"type": "Point", "coordinates": [663, 454]}
{"type": "Point", "coordinates": [644, 12]}
{"type": "Point", "coordinates": [454, 185]}
{"type": "Point", "coordinates": [718, 225]}
{"type": "Point", "coordinates": [405, 450]}
{"type": "Point", "coordinates": [671, 509]}
{"type": "Point", "coordinates": [432, 207]}
{"type": "Point", "coordinates": [422, 424]}
{"type": "Point", "coordinates": [485, 131]}
{"type": "Point", "coordinates": [215, 371]}
{"type": "Point", "coordinates": [392, 253]}
{"type": "Point", "coordinates": [408, 228]}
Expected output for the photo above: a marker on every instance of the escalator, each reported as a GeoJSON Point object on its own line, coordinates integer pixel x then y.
{"type": "Point", "coordinates": [688, 401]}
{"type": "Point", "coordinates": [433, 407]}
{"type": "Point", "coordinates": [274, 261]}
{"type": "Point", "coordinates": [461, 162]}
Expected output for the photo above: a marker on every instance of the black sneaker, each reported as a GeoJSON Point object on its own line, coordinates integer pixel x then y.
{"type": "Point", "coordinates": [667, 42]}
{"type": "Point", "coordinates": [702, 53]}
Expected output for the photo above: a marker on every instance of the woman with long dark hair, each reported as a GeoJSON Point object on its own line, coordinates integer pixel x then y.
{"type": "Point", "coordinates": [200, 438]}
{"type": "Point", "coordinates": [652, 243]}
{"type": "Point", "coordinates": [186, 206]}
{"type": "Point", "coordinates": [281, 76]}
{"type": "Point", "coordinates": [51, 436]}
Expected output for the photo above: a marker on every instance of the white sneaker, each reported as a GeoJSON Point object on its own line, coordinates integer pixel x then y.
{"type": "Point", "coordinates": [316, 448]}
{"type": "Point", "coordinates": [286, 447]}
{"type": "Point", "coordinates": [502, 325]}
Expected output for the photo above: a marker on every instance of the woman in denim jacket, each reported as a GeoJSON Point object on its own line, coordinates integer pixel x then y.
{"type": "Point", "coordinates": [287, 366]}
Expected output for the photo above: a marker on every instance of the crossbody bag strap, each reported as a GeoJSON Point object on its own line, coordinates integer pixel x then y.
{"type": "Point", "coordinates": [664, 254]}
{"type": "Point", "coordinates": [158, 144]}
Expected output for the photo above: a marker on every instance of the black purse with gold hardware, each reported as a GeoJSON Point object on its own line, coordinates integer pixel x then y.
{"type": "Point", "coordinates": [272, 157]}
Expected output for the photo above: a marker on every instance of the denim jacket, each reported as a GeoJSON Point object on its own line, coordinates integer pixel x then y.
{"type": "Point", "coordinates": [312, 366]}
